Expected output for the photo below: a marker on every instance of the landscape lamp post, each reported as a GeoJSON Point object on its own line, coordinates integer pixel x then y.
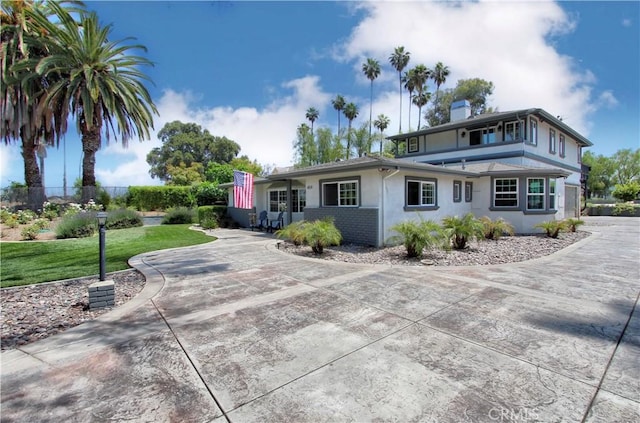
{"type": "Point", "coordinates": [102, 220]}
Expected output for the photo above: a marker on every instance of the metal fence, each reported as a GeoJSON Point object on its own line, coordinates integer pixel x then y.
{"type": "Point", "coordinates": [33, 198]}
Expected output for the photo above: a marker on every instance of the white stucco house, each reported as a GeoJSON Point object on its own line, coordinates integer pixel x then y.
{"type": "Point", "coordinates": [523, 166]}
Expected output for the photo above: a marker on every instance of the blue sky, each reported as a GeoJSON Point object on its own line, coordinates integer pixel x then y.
{"type": "Point", "coordinates": [250, 70]}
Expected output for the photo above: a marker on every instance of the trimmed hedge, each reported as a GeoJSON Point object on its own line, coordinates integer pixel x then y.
{"type": "Point", "coordinates": [123, 218]}
{"type": "Point", "coordinates": [161, 197]}
{"type": "Point", "coordinates": [178, 216]}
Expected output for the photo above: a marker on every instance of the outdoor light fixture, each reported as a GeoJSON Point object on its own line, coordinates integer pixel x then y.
{"type": "Point", "coordinates": [102, 220]}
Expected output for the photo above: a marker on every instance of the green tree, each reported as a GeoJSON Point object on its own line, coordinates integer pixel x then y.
{"type": "Point", "coordinates": [399, 60]}
{"type": "Point", "coordinates": [98, 82]}
{"type": "Point", "coordinates": [381, 123]}
{"type": "Point", "coordinates": [338, 104]}
{"type": "Point", "coordinates": [420, 100]}
{"type": "Point", "coordinates": [476, 90]}
{"type": "Point", "coordinates": [312, 115]}
{"type": "Point", "coordinates": [185, 175]}
{"type": "Point", "coordinates": [420, 75]}
{"type": "Point", "coordinates": [329, 146]}
{"type": "Point", "coordinates": [627, 166]}
{"type": "Point", "coordinates": [371, 69]}
{"type": "Point", "coordinates": [188, 143]}
{"type": "Point", "coordinates": [409, 85]}
{"type": "Point", "coordinates": [305, 147]}
{"type": "Point", "coordinates": [362, 140]}
{"type": "Point", "coordinates": [600, 179]}
{"type": "Point", "coordinates": [439, 76]}
{"type": "Point", "coordinates": [350, 112]}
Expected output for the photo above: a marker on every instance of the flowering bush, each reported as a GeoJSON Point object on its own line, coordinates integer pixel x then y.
{"type": "Point", "coordinates": [92, 206]}
{"type": "Point", "coordinates": [5, 214]}
{"type": "Point", "coordinates": [25, 216]}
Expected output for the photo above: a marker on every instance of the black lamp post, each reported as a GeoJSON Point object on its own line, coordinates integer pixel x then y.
{"type": "Point", "coordinates": [102, 220]}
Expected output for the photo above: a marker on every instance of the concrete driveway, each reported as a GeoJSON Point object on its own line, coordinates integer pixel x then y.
{"type": "Point", "coordinates": [237, 331]}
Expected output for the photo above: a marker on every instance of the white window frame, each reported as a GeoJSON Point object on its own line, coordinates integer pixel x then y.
{"type": "Point", "coordinates": [514, 193]}
{"type": "Point", "coordinates": [274, 207]}
{"type": "Point", "coordinates": [516, 132]}
{"type": "Point", "coordinates": [538, 195]}
{"type": "Point", "coordinates": [413, 145]}
{"type": "Point", "coordinates": [298, 200]}
{"type": "Point", "coordinates": [457, 191]}
{"type": "Point", "coordinates": [533, 131]}
{"type": "Point", "coordinates": [552, 141]}
{"type": "Point", "coordinates": [422, 184]}
{"type": "Point", "coordinates": [340, 190]}
{"type": "Point", "coordinates": [553, 198]}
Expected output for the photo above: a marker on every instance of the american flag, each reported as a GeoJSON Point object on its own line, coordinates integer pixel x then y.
{"type": "Point", "coordinates": [242, 190]}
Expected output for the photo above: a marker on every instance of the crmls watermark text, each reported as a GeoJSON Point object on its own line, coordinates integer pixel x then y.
{"type": "Point", "coordinates": [521, 414]}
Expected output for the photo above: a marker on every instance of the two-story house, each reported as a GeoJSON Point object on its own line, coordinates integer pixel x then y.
{"type": "Point", "coordinates": [523, 166]}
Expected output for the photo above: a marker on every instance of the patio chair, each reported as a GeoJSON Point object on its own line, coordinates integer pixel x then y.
{"type": "Point", "coordinates": [277, 223]}
{"type": "Point", "coordinates": [263, 220]}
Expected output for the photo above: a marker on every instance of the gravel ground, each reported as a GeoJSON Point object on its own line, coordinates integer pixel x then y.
{"type": "Point", "coordinates": [35, 312]}
{"type": "Point", "coordinates": [38, 311]}
{"type": "Point", "coordinates": [505, 250]}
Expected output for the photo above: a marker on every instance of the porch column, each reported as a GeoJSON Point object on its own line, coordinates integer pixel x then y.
{"type": "Point", "coordinates": [289, 202]}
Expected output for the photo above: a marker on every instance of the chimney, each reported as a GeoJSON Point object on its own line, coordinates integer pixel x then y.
{"type": "Point", "coordinates": [460, 110]}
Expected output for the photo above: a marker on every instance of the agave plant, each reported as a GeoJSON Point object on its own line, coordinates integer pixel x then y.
{"type": "Point", "coordinates": [494, 229]}
{"type": "Point", "coordinates": [462, 230]}
{"type": "Point", "coordinates": [416, 236]}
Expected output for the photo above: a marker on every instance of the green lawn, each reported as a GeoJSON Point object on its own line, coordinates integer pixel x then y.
{"type": "Point", "coordinates": [34, 262]}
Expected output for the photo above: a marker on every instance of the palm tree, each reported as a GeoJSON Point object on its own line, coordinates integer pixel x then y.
{"type": "Point", "coordinates": [381, 123]}
{"type": "Point", "coordinates": [312, 116]}
{"type": "Point", "coordinates": [350, 112]}
{"type": "Point", "coordinates": [99, 84]}
{"type": "Point", "coordinates": [399, 60]}
{"type": "Point", "coordinates": [439, 75]}
{"type": "Point", "coordinates": [338, 104]}
{"type": "Point", "coordinates": [23, 117]}
{"type": "Point", "coordinates": [371, 69]}
{"type": "Point", "coordinates": [409, 85]}
{"type": "Point", "coordinates": [421, 99]}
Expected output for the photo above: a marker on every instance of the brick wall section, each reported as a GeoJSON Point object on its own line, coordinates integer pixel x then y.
{"type": "Point", "coordinates": [357, 225]}
{"type": "Point", "coordinates": [101, 294]}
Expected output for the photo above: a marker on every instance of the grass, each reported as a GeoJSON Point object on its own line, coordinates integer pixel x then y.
{"type": "Point", "coordinates": [34, 262]}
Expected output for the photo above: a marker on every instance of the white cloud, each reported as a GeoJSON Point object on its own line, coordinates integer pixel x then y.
{"type": "Point", "coordinates": [265, 135]}
{"type": "Point", "coordinates": [607, 99]}
{"type": "Point", "coordinates": [506, 43]}
{"type": "Point", "coordinates": [626, 22]}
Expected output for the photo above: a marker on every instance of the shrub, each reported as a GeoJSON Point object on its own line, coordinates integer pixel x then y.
{"type": "Point", "coordinates": [416, 236]}
{"type": "Point", "coordinates": [50, 210]}
{"type": "Point", "coordinates": [41, 223]}
{"type": "Point", "coordinates": [627, 192]}
{"type": "Point", "coordinates": [293, 232]}
{"type": "Point", "coordinates": [573, 223]}
{"type": "Point", "coordinates": [321, 233]}
{"type": "Point", "coordinates": [80, 225]}
{"type": "Point", "coordinates": [103, 198]}
{"type": "Point", "coordinates": [208, 193]}
{"type": "Point", "coordinates": [5, 214]}
{"type": "Point", "coordinates": [25, 216]}
{"type": "Point", "coordinates": [552, 227]}
{"type": "Point", "coordinates": [30, 232]}
{"type": "Point", "coordinates": [495, 229]}
{"type": "Point", "coordinates": [209, 223]}
{"type": "Point", "coordinates": [623, 208]}
{"type": "Point", "coordinates": [461, 230]}
{"type": "Point", "coordinates": [211, 212]}
{"type": "Point", "coordinates": [123, 218]}
{"type": "Point", "coordinates": [11, 221]}
{"type": "Point", "coordinates": [160, 197]}
{"type": "Point", "coordinates": [178, 216]}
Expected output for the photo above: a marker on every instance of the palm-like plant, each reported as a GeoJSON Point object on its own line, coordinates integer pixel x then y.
{"type": "Point", "coordinates": [552, 228]}
{"type": "Point", "coordinates": [23, 115]}
{"type": "Point", "coordinates": [416, 236]}
{"type": "Point", "coordinates": [98, 82]}
{"type": "Point", "coordinates": [312, 116]}
{"type": "Point", "coordinates": [462, 230]}
{"type": "Point", "coordinates": [439, 76]}
{"type": "Point", "coordinates": [381, 123]}
{"type": "Point", "coordinates": [494, 229]}
{"type": "Point", "coordinates": [350, 112]}
{"type": "Point", "coordinates": [409, 85]}
{"type": "Point", "coordinates": [573, 223]}
{"type": "Point", "coordinates": [371, 69]}
{"type": "Point", "coordinates": [399, 60]}
{"type": "Point", "coordinates": [338, 104]}
{"type": "Point", "coordinates": [321, 233]}
{"type": "Point", "coordinates": [420, 100]}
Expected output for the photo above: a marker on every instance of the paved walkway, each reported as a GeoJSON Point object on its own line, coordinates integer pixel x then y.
{"type": "Point", "coordinates": [237, 331]}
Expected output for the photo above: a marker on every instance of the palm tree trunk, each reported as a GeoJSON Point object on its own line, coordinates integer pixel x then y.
{"type": "Point", "coordinates": [349, 140]}
{"type": "Point", "coordinates": [410, 110]}
{"type": "Point", "coordinates": [90, 145]}
{"type": "Point", "coordinates": [371, 108]}
{"type": "Point", "coordinates": [400, 84]}
{"type": "Point", "coordinates": [32, 177]}
{"type": "Point", "coordinates": [419, 116]}
{"type": "Point", "coordinates": [339, 112]}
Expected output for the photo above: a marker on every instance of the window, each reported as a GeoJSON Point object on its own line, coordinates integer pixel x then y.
{"type": "Point", "coordinates": [552, 141]}
{"type": "Point", "coordinates": [468, 190]}
{"type": "Point", "coordinates": [340, 194]}
{"type": "Point", "coordinates": [513, 131]}
{"type": "Point", "coordinates": [421, 193]}
{"type": "Point", "coordinates": [552, 194]}
{"type": "Point", "coordinates": [533, 131]}
{"type": "Point", "coordinates": [505, 192]}
{"type": "Point", "coordinates": [413, 145]}
{"type": "Point", "coordinates": [457, 191]}
{"type": "Point", "coordinates": [535, 193]}
{"type": "Point", "coordinates": [561, 146]}
{"type": "Point", "coordinates": [482, 136]}
{"type": "Point", "coordinates": [277, 200]}
{"type": "Point", "coordinates": [299, 200]}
